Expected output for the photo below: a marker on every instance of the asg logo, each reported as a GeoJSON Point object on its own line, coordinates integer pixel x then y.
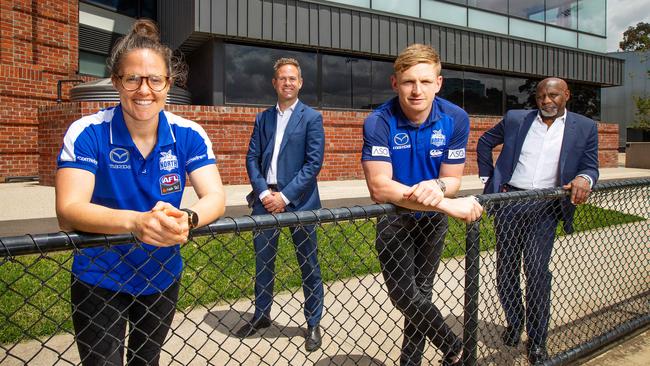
{"type": "Point", "coordinates": [401, 139]}
{"type": "Point", "coordinates": [119, 155]}
{"type": "Point", "coordinates": [456, 154]}
{"type": "Point", "coordinates": [380, 151]}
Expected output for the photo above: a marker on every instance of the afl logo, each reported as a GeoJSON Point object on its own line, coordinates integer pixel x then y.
{"type": "Point", "coordinates": [170, 183]}
{"type": "Point", "coordinates": [401, 139]}
{"type": "Point", "coordinates": [119, 155]}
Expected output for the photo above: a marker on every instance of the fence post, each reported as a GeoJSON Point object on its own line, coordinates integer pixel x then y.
{"type": "Point", "coordinates": [470, 327]}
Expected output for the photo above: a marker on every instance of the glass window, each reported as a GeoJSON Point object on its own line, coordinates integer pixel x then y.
{"type": "Point", "coordinates": [249, 71]}
{"type": "Point", "coordinates": [444, 13]}
{"type": "Point", "coordinates": [526, 29]}
{"type": "Point", "coordinates": [346, 82]}
{"type": "Point", "coordinates": [404, 7]}
{"type": "Point", "coordinates": [520, 93]}
{"type": "Point", "coordinates": [92, 64]}
{"type": "Point", "coordinates": [592, 43]}
{"type": "Point", "coordinates": [134, 9]}
{"type": "Point", "coordinates": [562, 13]}
{"type": "Point", "coordinates": [461, 2]}
{"type": "Point", "coordinates": [562, 37]}
{"type": "Point", "coordinates": [337, 81]}
{"type": "Point", "coordinates": [452, 86]}
{"type": "Point", "coordinates": [359, 3]}
{"type": "Point", "coordinates": [487, 21]}
{"type": "Point", "coordinates": [483, 94]}
{"type": "Point", "coordinates": [499, 6]}
{"type": "Point", "coordinates": [527, 9]}
{"type": "Point", "coordinates": [381, 85]}
{"type": "Point", "coordinates": [585, 99]}
{"type": "Point", "coordinates": [591, 16]}
{"type": "Point", "coordinates": [361, 83]}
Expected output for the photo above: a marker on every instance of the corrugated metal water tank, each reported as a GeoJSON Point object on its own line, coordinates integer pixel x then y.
{"type": "Point", "coordinates": [102, 90]}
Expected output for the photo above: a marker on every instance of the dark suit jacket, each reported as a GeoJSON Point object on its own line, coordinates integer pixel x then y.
{"type": "Point", "coordinates": [300, 158]}
{"type": "Point", "coordinates": [578, 155]}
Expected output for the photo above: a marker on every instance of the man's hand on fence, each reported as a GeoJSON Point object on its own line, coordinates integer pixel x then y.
{"type": "Point", "coordinates": [580, 190]}
{"type": "Point", "coordinates": [427, 193]}
{"type": "Point", "coordinates": [465, 208]}
{"type": "Point", "coordinates": [164, 225]}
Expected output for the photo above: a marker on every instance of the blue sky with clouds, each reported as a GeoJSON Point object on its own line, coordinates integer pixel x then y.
{"type": "Point", "coordinates": [622, 14]}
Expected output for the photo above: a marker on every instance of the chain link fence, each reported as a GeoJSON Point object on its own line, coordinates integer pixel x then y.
{"type": "Point", "coordinates": [599, 289]}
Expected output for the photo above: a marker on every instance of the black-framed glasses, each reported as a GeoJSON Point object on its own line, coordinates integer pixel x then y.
{"type": "Point", "coordinates": [133, 82]}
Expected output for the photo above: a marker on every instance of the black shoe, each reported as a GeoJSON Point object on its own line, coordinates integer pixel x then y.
{"type": "Point", "coordinates": [313, 340]}
{"type": "Point", "coordinates": [454, 357]}
{"type": "Point", "coordinates": [511, 336]}
{"type": "Point", "coordinates": [537, 354]}
{"type": "Point", "coordinates": [252, 327]}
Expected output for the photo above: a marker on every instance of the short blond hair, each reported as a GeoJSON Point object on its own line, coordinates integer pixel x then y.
{"type": "Point", "coordinates": [286, 61]}
{"type": "Point", "coordinates": [417, 54]}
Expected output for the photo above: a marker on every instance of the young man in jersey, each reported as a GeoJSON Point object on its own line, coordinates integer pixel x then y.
{"type": "Point", "coordinates": [413, 156]}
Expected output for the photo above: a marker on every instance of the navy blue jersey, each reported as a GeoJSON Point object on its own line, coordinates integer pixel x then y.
{"type": "Point", "coordinates": [416, 152]}
{"type": "Point", "coordinates": [125, 180]}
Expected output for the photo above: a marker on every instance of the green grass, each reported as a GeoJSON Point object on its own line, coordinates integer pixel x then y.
{"type": "Point", "coordinates": [34, 290]}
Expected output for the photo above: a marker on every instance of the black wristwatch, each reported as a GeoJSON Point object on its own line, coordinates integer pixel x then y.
{"type": "Point", "coordinates": [442, 185]}
{"type": "Point", "coordinates": [192, 218]}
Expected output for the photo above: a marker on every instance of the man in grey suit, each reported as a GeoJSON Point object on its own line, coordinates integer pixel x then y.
{"type": "Point", "coordinates": [284, 158]}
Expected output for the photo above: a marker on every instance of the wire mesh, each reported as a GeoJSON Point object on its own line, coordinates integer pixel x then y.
{"type": "Point", "coordinates": [599, 280]}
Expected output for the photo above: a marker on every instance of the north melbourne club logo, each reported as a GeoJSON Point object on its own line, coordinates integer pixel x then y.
{"type": "Point", "coordinates": [437, 138]}
{"type": "Point", "coordinates": [168, 161]}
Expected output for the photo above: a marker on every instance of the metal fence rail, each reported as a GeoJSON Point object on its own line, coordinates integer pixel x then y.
{"type": "Point", "coordinates": [600, 287]}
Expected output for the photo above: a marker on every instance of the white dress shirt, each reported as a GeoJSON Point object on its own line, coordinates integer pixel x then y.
{"type": "Point", "coordinates": [539, 162]}
{"type": "Point", "coordinates": [282, 119]}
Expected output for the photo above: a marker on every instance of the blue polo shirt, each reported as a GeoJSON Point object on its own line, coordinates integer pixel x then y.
{"type": "Point", "coordinates": [416, 152]}
{"type": "Point", "coordinates": [124, 179]}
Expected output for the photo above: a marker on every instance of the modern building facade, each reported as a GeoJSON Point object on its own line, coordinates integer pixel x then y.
{"type": "Point", "coordinates": [618, 102]}
{"type": "Point", "coordinates": [493, 51]}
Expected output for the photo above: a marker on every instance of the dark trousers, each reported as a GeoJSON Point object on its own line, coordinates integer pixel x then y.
{"type": "Point", "coordinates": [266, 249]}
{"type": "Point", "coordinates": [526, 230]}
{"type": "Point", "coordinates": [100, 316]}
{"type": "Point", "coordinates": [409, 251]}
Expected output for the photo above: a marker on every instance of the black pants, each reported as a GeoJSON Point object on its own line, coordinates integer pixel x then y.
{"type": "Point", "coordinates": [100, 317]}
{"type": "Point", "coordinates": [409, 252]}
{"type": "Point", "coordinates": [525, 232]}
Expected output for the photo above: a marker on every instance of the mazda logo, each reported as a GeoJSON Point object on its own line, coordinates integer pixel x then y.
{"type": "Point", "coordinates": [119, 155]}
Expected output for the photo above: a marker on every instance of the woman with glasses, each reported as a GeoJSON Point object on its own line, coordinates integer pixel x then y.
{"type": "Point", "coordinates": [123, 170]}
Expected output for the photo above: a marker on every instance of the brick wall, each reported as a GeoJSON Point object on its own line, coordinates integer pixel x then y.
{"type": "Point", "coordinates": [38, 46]}
{"type": "Point", "coordinates": [230, 128]}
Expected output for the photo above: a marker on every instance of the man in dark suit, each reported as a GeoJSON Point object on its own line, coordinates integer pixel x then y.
{"type": "Point", "coordinates": [542, 148]}
{"type": "Point", "coordinates": [284, 157]}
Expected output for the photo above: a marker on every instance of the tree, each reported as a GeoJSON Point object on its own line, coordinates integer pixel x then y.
{"type": "Point", "coordinates": [642, 118]}
{"type": "Point", "coordinates": [636, 38]}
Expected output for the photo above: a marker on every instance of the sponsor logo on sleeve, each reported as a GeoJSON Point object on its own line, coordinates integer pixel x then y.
{"type": "Point", "coordinates": [87, 160]}
{"type": "Point", "coordinates": [198, 157]}
{"type": "Point", "coordinates": [437, 138]}
{"type": "Point", "coordinates": [170, 183]}
{"type": "Point", "coordinates": [435, 153]}
{"type": "Point", "coordinates": [168, 161]}
{"type": "Point", "coordinates": [456, 154]}
{"type": "Point", "coordinates": [119, 158]}
{"type": "Point", "coordinates": [380, 151]}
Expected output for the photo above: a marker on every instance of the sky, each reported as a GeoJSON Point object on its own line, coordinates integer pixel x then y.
{"type": "Point", "coordinates": [620, 15]}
